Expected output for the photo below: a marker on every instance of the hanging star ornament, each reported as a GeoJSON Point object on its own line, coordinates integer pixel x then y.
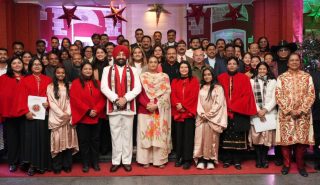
{"type": "Point", "coordinates": [234, 13]}
{"type": "Point", "coordinates": [158, 8]}
{"type": "Point", "coordinates": [197, 13]}
{"type": "Point", "coordinates": [116, 15]}
{"type": "Point", "coordinates": [69, 15]}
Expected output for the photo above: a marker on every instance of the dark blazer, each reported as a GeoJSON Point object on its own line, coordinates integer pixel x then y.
{"type": "Point", "coordinates": [316, 105]}
{"type": "Point", "coordinates": [221, 66]}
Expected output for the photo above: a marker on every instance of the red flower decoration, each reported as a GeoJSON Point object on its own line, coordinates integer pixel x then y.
{"type": "Point", "coordinates": [69, 15]}
{"type": "Point", "coordinates": [197, 13]}
{"type": "Point", "coordinates": [116, 15]}
{"type": "Point", "coordinates": [234, 13]}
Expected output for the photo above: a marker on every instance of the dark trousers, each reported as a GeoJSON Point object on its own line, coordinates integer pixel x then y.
{"type": "Point", "coordinates": [185, 139]}
{"type": "Point", "coordinates": [14, 138]}
{"type": "Point", "coordinates": [232, 156]}
{"type": "Point", "coordinates": [135, 128]}
{"type": "Point", "coordinates": [105, 136]}
{"type": "Point", "coordinates": [88, 136]}
{"type": "Point", "coordinates": [261, 154]}
{"type": "Point", "coordinates": [299, 150]}
{"type": "Point", "coordinates": [173, 135]}
{"type": "Point", "coordinates": [316, 150]}
{"type": "Point", "coordinates": [62, 160]}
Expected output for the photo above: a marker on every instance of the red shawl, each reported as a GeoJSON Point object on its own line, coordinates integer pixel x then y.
{"type": "Point", "coordinates": [8, 96]}
{"type": "Point", "coordinates": [184, 91]}
{"type": "Point", "coordinates": [120, 86]}
{"type": "Point", "coordinates": [242, 98]}
{"type": "Point", "coordinates": [83, 99]}
{"type": "Point", "coordinates": [29, 86]}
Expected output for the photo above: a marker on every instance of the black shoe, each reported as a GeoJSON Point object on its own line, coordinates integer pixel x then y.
{"type": "Point", "coordinates": [238, 166]}
{"type": "Point", "coordinates": [187, 165]}
{"type": "Point", "coordinates": [265, 165]}
{"type": "Point", "coordinates": [13, 168]}
{"type": "Point", "coordinates": [85, 168]}
{"type": "Point", "coordinates": [178, 163]}
{"type": "Point", "coordinates": [226, 165]}
{"type": "Point", "coordinates": [278, 162]}
{"type": "Point", "coordinates": [114, 168]}
{"type": "Point", "coordinates": [24, 167]}
{"type": "Point", "coordinates": [40, 171]}
{"type": "Point", "coordinates": [31, 171]}
{"type": "Point", "coordinates": [67, 170]}
{"type": "Point", "coordinates": [317, 167]}
{"type": "Point", "coordinates": [303, 172]}
{"type": "Point", "coordinates": [127, 167]}
{"type": "Point", "coordinates": [96, 167]}
{"type": "Point", "coordinates": [56, 171]}
{"type": "Point", "coordinates": [285, 170]}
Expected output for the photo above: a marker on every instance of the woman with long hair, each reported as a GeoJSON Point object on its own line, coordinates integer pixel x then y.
{"type": "Point", "coordinates": [154, 117]}
{"type": "Point", "coordinates": [100, 61]}
{"type": "Point", "coordinates": [36, 144]}
{"type": "Point", "coordinates": [26, 58]}
{"type": "Point", "coordinates": [138, 59]}
{"type": "Point", "coordinates": [88, 53]}
{"type": "Point", "coordinates": [159, 53]}
{"type": "Point", "coordinates": [263, 86]}
{"type": "Point", "coordinates": [87, 104]}
{"type": "Point", "coordinates": [211, 120]}
{"type": "Point", "coordinates": [65, 44]}
{"type": "Point", "coordinates": [8, 110]}
{"type": "Point", "coordinates": [184, 97]}
{"type": "Point", "coordinates": [64, 140]}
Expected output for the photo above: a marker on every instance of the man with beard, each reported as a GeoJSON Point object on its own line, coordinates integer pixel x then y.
{"type": "Point", "coordinates": [181, 50]}
{"type": "Point", "coordinates": [109, 48]}
{"type": "Point", "coordinates": [55, 45]}
{"type": "Point", "coordinates": [41, 48]}
{"type": "Point", "coordinates": [254, 49]}
{"type": "Point", "coordinates": [18, 49]}
{"type": "Point", "coordinates": [171, 66]}
{"type": "Point", "coordinates": [171, 36]}
{"type": "Point", "coordinates": [157, 37]}
{"type": "Point", "coordinates": [53, 63]}
{"type": "Point", "coordinates": [221, 44]}
{"type": "Point", "coordinates": [95, 40]}
{"type": "Point", "coordinates": [120, 84]}
{"type": "Point", "coordinates": [3, 60]}
{"type": "Point", "coordinates": [212, 58]}
{"type": "Point", "coordinates": [146, 46]}
{"type": "Point", "coordinates": [76, 64]}
{"type": "Point", "coordinates": [104, 39]}
{"type": "Point", "coordinates": [138, 34]}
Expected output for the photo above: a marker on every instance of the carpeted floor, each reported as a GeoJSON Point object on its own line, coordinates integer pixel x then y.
{"type": "Point", "coordinates": [248, 167]}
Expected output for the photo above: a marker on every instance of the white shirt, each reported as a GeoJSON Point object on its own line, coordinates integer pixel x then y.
{"type": "Point", "coordinates": [189, 53]}
{"type": "Point", "coordinates": [138, 67]}
{"type": "Point", "coordinates": [3, 71]}
{"type": "Point", "coordinates": [181, 58]}
{"type": "Point", "coordinates": [212, 61]}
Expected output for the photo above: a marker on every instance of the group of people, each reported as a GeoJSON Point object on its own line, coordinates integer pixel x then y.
{"type": "Point", "coordinates": [162, 99]}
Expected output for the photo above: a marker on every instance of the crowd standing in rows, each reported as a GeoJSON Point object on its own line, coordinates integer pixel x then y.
{"type": "Point", "coordinates": [201, 104]}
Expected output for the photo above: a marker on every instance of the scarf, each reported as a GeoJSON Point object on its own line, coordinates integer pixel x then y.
{"type": "Point", "coordinates": [121, 87]}
{"type": "Point", "coordinates": [258, 94]}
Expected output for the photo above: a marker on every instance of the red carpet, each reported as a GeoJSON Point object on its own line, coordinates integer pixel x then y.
{"type": "Point", "coordinates": [248, 167]}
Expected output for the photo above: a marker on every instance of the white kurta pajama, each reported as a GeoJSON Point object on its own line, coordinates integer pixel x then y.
{"type": "Point", "coordinates": [121, 121]}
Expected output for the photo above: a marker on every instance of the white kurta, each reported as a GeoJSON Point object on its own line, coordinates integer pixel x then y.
{"type": "Point", "coordinates": [121, 122]}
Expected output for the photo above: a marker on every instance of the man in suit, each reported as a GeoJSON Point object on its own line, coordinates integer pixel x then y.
{"type": "Point", "coordinates": [181, 51]}
{"type": "Point", "coordinates": [171, 36]}
{"type": "Point", "coordinates": [138, 34]}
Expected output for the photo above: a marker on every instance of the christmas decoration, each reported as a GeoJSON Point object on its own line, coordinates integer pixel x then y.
{"type": "Point", "coordinates": [197, 13]}
{"type": "Point", "coordinates": [234, 13]}
{"type": "Point", "coordinates": [69, 15]}
{"type": "Point", "coordinates": [158, 8]}
{"type": "Point", "coordinates": [116, 15]}
{"type": "Point", "coordinates": [315, 13]}
{"type": "Point", "coordinates": [310, 51]}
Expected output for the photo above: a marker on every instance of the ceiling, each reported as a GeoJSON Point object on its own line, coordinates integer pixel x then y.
{"type": "Point", "coordinates": [107, 2]}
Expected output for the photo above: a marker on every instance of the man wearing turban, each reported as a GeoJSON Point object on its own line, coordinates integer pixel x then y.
{"type": "Point", "coordinates": [120, 83]}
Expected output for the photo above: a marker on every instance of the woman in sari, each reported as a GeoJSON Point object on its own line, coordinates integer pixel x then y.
{"type": "Point", "coordinates": [154, 117]}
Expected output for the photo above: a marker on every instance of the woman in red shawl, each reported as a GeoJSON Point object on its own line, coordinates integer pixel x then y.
{"type": "Point", "coordinates": [184, 98]}
{"type": "Point", "coordinates": [87, 103]}
{"type": "Point", "coordinates": [241, 105]}
{"type": "Point", "coordinates": [9, 83]}
{"type": "Point", "coordinates": [36, 144]}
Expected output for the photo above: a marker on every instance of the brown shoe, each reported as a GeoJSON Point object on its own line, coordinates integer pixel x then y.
{"type": "Point", "coordinates": [114, 168]}
{"type": "Point", "coordinates": [127, 167]}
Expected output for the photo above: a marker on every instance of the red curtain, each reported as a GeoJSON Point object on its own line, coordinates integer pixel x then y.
{"type": "Point", "coordinates": [278, 19]}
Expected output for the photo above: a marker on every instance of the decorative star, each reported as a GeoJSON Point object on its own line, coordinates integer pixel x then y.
{"type": "Point", "coordinates": [315, 13]}
{"type": "Point", "coordinates": [69, 15]}
{"type": "Point", "coordinates": [116, 15]}
{"type": "Point", "coordinates": [234, 13]}
{"type": "Point", "coordinates": [158, 8]}
{"type": "Point", "coordinates": [197, 13]}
